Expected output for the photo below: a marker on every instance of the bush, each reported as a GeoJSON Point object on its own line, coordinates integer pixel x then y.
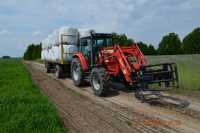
{"type": "Point", "coordinates": [33, 52]}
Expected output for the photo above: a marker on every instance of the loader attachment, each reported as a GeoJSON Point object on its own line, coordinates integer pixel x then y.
{"type": "Point", "coordinates": [159, 76]}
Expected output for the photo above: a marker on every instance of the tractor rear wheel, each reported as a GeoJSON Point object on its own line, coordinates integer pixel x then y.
{"type": "Point", "coordinates": [77, 72]}
{"type": "Point", "coordinates": [99, 80]}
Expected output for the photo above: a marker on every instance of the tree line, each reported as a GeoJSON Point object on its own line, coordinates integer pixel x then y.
{"type": "Point", "coordinates": [33, 52]}
{"type": "Point", "coordinates": [170, 44]}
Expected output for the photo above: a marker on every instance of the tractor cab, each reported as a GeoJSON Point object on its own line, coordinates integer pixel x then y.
{"type": "Point", "coordinates": [91, 45]}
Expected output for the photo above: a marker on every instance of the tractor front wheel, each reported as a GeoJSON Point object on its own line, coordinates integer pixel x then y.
{"type": "Point", "coordinates": [77, 72]}
{"type": "Point", "coordinates": [99, 80]}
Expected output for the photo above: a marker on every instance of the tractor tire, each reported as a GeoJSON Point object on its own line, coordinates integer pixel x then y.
{"type": "Point", "coordinates": [100, 81]}
{"type": "Point", "coordinates": [47, 67]}
{"type": "Point", "coordinates": [58, 71]}
{"type": "Point", "coordinates": [77, 72]}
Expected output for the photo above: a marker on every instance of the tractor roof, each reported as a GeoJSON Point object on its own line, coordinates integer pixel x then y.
{"type": "Point", "coordinates": [99, 35]}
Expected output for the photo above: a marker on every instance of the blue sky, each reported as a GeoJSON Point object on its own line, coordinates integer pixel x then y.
{"type": "Point", "coordinates": [29, 21]}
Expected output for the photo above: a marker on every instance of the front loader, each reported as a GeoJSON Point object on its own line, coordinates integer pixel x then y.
{"type": "Point", "coordinates": [101, 62]}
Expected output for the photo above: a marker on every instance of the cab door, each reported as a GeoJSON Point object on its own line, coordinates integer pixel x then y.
{"type": "Point", "coordinates": [86, 48]}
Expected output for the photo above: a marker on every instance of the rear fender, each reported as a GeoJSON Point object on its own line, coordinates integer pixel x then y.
{"type": "Point", "coordinates": [83, 61]}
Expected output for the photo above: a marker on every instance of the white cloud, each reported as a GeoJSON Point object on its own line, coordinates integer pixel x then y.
{"type": "Point", "coordinates": [4, 32]}
{"type": "Point", "coordinates": [36, 33]}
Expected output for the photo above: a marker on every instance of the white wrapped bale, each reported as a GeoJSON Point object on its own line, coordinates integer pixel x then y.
{"type": "Point", "coordinates": [68, 35]}
{"type": "Point", "coordinates": [69, 38]}
{"type": "Point", "coordinates": [49, 54]}
{"type": "Point", "coordinates": [46, 46]}
{"type": "Point", "coordinates": [55, 36]}
{"type": "Point", "coordinates": [45, 54]}
{"type": "Point", "coordinates": [68, 52]}
{"type": "Point", "coordinates": [52, 57]}
{"type": "Point", "coordinates": [42, 54]}
{"type": "Point", "coordinates": [57, 53]}
{"type": "Point", "coordinates": [44, 49]}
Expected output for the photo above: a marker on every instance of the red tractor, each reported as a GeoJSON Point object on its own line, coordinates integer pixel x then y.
{"type": "Point", "coordinates": [101, 62]}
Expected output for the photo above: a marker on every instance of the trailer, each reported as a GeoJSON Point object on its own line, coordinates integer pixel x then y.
{"type": "Point", "coordinates": [58, 49]}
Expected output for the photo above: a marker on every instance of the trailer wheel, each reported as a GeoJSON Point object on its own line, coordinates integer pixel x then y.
{"type": "Point", "coordinates": [58, 71]}
{"type": "Point", "coordinates": [77, 72]}
{"type": "Point", "coordinates": [47, 67]}
{"type": "Point", "coordinates": [100, 80]}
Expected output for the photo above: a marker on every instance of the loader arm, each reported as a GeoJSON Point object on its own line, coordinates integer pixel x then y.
{"type": "Point", "coordinates": [123, 63]}
{"type": "Point", "coordinates": [122, 54]}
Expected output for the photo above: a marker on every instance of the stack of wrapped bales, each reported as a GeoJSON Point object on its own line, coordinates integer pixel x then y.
{"type": "Point", "coordinates": [51, 46]}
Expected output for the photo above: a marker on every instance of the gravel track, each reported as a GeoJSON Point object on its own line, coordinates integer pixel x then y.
{"type": "Point", "coordinates": [121, 112]}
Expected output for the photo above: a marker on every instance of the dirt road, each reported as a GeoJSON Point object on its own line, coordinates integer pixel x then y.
{"type": "Point", "coordinates": [82, 112]}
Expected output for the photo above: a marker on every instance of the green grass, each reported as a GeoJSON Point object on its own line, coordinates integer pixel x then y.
{"type": "Point", "coordinates": [188, 69]}
{"type": "Point", "coordinates": [23, 108]}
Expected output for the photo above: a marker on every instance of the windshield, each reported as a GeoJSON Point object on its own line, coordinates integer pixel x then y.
{"type": "Point", "coordinates": [103, 42]}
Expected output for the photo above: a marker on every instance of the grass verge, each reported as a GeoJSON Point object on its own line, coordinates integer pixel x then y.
{"type": "Point", "coordinates": [22, 107]}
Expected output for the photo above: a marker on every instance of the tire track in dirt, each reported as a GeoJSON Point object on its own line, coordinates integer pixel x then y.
{"type": "Point", "coordinates": [94, 114]}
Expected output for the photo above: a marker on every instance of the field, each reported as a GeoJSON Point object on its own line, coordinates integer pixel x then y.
{"type": "Point", "coordinates": [23, 108]}
{"type": "Point", "coordinates": [188, 70]}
